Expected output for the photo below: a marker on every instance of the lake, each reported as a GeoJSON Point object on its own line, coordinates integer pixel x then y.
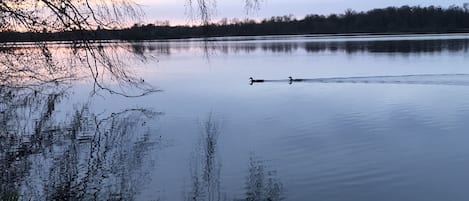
{"type": "Point", "coordinates": [369, 118]}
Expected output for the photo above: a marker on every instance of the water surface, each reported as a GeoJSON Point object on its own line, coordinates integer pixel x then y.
{"type": "Point", "coordinates": [373, 118]}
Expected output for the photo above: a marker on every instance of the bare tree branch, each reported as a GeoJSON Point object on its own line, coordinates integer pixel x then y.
{"type": "Point", "coordinates": [205, 9]}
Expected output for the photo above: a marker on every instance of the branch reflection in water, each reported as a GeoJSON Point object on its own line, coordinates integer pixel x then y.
{"type": "Point", "coordinates": [261, 183]}
{"type": "Point", "coordinates": [42, 65]}
{"type": "Point", "coordinates": [205, 165]}
{"type": "Point", "coordinates": [82, 154]}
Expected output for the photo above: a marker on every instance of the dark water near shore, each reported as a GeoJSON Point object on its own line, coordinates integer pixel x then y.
{"type": "Point", "coordinates": [373, 118]}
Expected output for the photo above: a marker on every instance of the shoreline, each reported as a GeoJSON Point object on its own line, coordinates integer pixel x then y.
{"type": "Point", "coordinates": [247, 37]}
{"type": "Point", "coordinates": [333, 36]}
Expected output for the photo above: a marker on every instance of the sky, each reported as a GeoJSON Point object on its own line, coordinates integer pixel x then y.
{"type": "Point", "coordinates": [177, 13]}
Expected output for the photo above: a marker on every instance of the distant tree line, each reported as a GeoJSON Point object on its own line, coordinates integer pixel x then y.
{"type": "Point", "coordinates": [405, 19]}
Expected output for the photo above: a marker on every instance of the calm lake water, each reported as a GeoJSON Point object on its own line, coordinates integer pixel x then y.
{"type": "Point", "coordinates": [374, 118]}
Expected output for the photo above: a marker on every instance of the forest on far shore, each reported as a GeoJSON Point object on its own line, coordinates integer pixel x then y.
{"type": "Point", "coordinates": [394, 20]}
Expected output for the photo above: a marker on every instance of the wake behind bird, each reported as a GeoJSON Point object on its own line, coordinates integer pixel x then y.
{"type": "Point", "coordinates": [419, 79]}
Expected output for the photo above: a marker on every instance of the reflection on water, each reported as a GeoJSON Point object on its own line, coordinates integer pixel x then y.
{"type": "Point", "coordinates": [261, 183]}
{"type": "Point", "coordinates": [82, 156]}
{"type": "Point", "coordinates": [41, 66]}
{"type": "Point", "coordinates": [206, 166]}
{"type": "Point", "coordinates": [400, 134]}
{"type": "Point", "coordinates": [311, 45]}
{"type": "Point", "coordinates": [53, 151]}
{"type": "Point", "coordinates": [418, 46]}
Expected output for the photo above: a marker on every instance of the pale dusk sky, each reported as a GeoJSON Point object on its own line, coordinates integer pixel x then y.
{"type": "Point", "coordinates": [175, 10]}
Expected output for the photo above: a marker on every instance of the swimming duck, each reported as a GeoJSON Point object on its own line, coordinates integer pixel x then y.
{"type": "Point", "coordinates": [295, 80]}
{"type": "Point", "coordinates": [253, 80]}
